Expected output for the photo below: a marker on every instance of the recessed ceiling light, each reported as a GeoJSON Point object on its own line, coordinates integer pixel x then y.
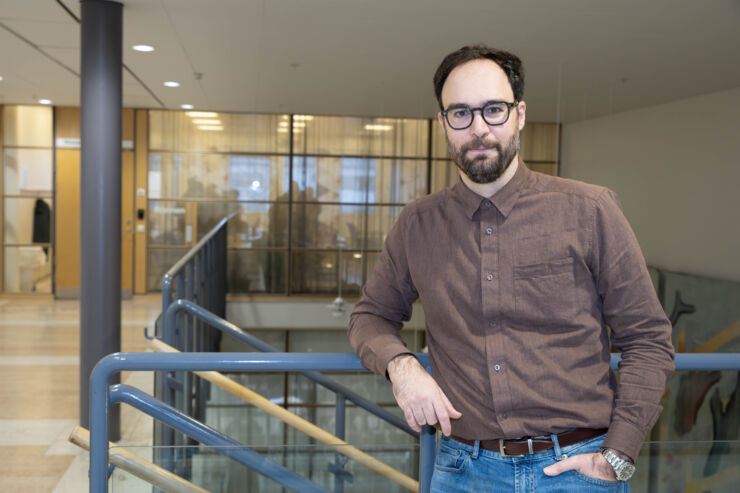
{"type": "Point", "coordinates": [202, 114]}
{"type": "Point", "coordinates": [210, 127]}
{"type": "Point", "coordinates": [171, 83]}
{"type": "Point", "coordinates": [144, 48]}
{"type": "Point", "coordinates": [1, 77]}
{"type": "Point", "coordinates": [187, 106]}
{"type": "Point", "coordinates": [44, 101]}
{"type": "Point", "coordinates": [200, 121]}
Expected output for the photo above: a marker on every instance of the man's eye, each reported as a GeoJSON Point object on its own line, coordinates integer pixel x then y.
{"type": "Point", "coordinates": [460, 112]}
{"type": "Point", "coordinates": [493, 110]}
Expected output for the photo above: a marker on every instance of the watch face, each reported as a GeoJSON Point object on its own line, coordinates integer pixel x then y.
{"type": "Point", "coordinates": [625, 472]}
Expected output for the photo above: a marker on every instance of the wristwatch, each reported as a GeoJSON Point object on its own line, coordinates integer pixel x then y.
{"type": "Point", "coordinates": [623, 469]}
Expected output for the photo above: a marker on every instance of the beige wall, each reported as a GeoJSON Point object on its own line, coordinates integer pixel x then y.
{"type": "Point", "coordinates": [676, 169]}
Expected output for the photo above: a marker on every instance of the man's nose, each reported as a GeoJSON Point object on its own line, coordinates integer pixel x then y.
{"type": "Point", "coordinates": [479, 127]}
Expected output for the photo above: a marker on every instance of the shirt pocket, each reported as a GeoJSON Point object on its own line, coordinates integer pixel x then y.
{"type": "Point", "coordinates": [544, 293]}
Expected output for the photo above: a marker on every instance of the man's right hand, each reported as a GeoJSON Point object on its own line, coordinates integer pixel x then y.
{"type": "Point", "coordinates": [419, 396]}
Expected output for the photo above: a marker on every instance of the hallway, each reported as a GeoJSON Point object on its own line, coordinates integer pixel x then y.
{"type": "Point", "coordinates": [39, 381]}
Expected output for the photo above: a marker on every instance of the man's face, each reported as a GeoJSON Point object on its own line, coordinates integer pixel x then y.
{"type": "Point", "coordinates": [481, 151]}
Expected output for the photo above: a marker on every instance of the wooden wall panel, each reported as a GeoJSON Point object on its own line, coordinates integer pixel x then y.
{"type": "Point", "coordinates": [141, 145]}
{"type": "Point", "coordinates": [67, 221]}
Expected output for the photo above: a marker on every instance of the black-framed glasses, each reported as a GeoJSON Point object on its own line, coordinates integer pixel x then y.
{"type": "Point", "coordinates": [493, 113]}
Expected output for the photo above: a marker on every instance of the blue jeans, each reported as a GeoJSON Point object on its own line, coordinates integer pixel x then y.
{"type": "Point", "coordinates": [465, 468]}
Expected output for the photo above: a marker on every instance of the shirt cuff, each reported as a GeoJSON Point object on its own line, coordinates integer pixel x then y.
{"type": "Point", "coordinates": [625, 438]}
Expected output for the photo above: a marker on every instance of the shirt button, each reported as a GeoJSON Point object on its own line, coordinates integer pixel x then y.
{"type": "Point", "coordinates": [497, 367]}
{"type": "Point", "coordinates": [505, 416]}
{"type": "Point", "coordinates": [489, 277]}
{"type": "Point", "coordinates": [489, 231]}
{"type": "Point", "coordinates": [492, 324]}
{"type": "Point", "coordinates": [488, 203]}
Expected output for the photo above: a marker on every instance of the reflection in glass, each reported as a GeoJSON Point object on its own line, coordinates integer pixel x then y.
{"type": "Point", "coordinates": [27, 269]}
{"type": "Point", "coordinates": [167, 223]}
{"type": "Point", "coordinates": [27, 126]}
{"type": "Point", "coordinates": [315, 272]}
{"type": "Point", "coordinates": [28, 172]}
{"type": "Point", "coordinates": [255, 227]}
{"type": "Point", "coordinates": [352, 136]}
{"type": "Point", "coordinates": [327, 226]}
{"type": "Point", "coordinates": [439, 142]}
{"type": "Point", "coordinates": [380, 219]}
{"type": "Point", "coordinates": [176, 131]}
{"type": "Point", "coordinates": [444, 174]}
{"type": "Point", "coordinates": [160, 261]}
{"type": "Point", "coordinates": [217, 176]}
{"type": "Point", "coordinates": [27, 220]}
{"type": "Point", "coordinates": [257, 271]}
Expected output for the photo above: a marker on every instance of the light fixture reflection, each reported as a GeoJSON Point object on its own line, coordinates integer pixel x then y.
{"type": "Point", "coordinates": [378, 128]}
{"type": "Point", "coordinates": [203, 121]}
{"type": "Point", "coordinates": [216, 128]}
{"type": "Point", "coordinates": [201, 114]}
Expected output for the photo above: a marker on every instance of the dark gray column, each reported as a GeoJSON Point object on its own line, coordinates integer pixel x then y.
{"type": "Point", "coordinates": [100, 193]}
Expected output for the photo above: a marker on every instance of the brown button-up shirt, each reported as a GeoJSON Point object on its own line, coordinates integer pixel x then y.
{"type": "Point", "coordinates": [518, 290]}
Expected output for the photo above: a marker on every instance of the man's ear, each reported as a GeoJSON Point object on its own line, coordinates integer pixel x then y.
{"type": "Point", "coordinates": [521, 109]}
{"type": "Point", "coordinates": [441, 120]}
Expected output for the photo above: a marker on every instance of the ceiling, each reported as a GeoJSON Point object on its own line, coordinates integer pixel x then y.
{"type": "Point", "coordinates": [376, 57]}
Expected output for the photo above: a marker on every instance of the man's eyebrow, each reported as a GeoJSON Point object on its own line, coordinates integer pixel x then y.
{"type": "Point", "coordinates": [461, 105]}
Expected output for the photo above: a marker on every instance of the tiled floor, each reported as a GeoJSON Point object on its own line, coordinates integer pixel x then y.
{"type": "Point", "coordinates": [39, 373]}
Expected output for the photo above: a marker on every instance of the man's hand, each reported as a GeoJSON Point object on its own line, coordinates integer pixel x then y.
{"type": "Point", "coordinates": [592, 465]}
{"type": "Point", "coordinates": [419, 396]}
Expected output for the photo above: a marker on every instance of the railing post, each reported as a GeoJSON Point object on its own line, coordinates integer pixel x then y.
{"type": "Point", "coordinates": [339, 429]}
{"type": "Point", "coordinates": [427, 445]}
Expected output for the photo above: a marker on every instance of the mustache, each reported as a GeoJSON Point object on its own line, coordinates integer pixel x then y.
{"type": "Point", "coordinates": [478, 143]}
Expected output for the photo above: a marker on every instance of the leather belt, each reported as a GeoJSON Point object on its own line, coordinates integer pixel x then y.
{"type": "Point", "coordinates": [523, 446]}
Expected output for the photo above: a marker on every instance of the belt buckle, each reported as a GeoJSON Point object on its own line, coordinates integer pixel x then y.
{"type": "Point", "coordinates": [502, 448]}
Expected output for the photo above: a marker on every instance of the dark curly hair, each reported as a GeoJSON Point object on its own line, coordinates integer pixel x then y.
{"type": "Point", "coordinates": [509, 63]}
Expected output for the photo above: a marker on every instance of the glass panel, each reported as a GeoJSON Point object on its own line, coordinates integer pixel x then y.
{"type": "Point", "coordinates": [27, 126]}
{"type": "Point", "coordinates": [439, 142]}
{"type": "Point", "coordinates": [208, 214]}
{"type": "Point", "coordinates": [28, 269]}
{"type": "Point", "coordinates": [256, 272]}
{"type": "Point", "coordinates": [362, 136]}
{"type": "Point", "coordinates": [259, 225]}
{"type": "Point", "coordinates": [183, 175]}
{"type": "Point", "coordinates": [327, 226]}
{"type": "Point", "coordinates": [160, 261]}
{"type": "Point", "coordinates": [221, 469]}
{"type": "Point", "coordinates": [28, 172]}
{"type": "Point", "coordinates": [399, 181]}
{"type": "Point", "coordinates": [315, 272]}
{"type": "Point", "coordinates": [334, 179]}
{"type": "Point", "coordinates": [176, 131]}
{"type": "Point", "coordinates": [444, 174]}
{"type": "Point", "coordinates": [379, 222]}
{"type": "Point", "coordinates": [167, 221]}
{"type": "Point", "coordinates": [27, 220]}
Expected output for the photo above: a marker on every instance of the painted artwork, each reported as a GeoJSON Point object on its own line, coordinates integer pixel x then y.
{"type": "Point", "coordinates": [695, 446]}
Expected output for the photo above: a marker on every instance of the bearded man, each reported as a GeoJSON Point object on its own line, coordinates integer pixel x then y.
{"type": "Point", "coordinates": [519, 276]}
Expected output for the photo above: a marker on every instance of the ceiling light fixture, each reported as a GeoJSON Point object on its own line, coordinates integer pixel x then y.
{"type": "Point", "coordinates": [1, 77]}
{"type": "Point", "coordinates": [171, 83]}
{"type": "Point", "coordinates": [142, 48]}
{"type": "Point", "coordinates": [202, 114]}
{"type": "Point", "coordinates": [210, 127]}
{"type": "Point", "coordinates": [379, 128]}
{"type": "Point", "coordinates": [305, 118]}
{"type": "Point", "coordinates": [44, 101]}
{"type": "Point", "coordinates": [201, 121]}
{"type": "Point", "coordinates": [187, 106]}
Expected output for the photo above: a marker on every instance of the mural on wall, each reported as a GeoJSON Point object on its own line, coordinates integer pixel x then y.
{"type": "Point", "coordinates": [701, 408]}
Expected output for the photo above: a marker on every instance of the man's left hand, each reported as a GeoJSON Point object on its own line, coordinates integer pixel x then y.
{"type": "Point", "coordinates": [592, 465]}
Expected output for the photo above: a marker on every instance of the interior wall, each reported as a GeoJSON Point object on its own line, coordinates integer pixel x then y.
{"type": "Point", "coordinates": [676, 170]}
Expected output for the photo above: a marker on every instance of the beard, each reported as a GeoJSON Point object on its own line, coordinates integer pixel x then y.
{"type": "Point", "coordinates": [483, 169]}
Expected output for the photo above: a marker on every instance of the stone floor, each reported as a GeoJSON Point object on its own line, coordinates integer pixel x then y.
{"type": "Point", "coordinates": [39, 382]}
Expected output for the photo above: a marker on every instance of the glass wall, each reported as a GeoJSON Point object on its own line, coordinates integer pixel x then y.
{"type": "Point", "coordinates": [28, 199]}
{"type": "Point", "coordinates": [314, 195]}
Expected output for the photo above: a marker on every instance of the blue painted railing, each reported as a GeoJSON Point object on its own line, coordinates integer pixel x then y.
{"type": "Point", "coordinates": [101, 395]}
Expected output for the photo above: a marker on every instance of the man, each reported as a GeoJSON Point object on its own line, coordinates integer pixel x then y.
{"type": "Point", "coordinates": [519, 275]}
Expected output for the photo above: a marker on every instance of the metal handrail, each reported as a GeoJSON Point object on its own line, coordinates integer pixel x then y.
{"type": "Point", "coordinates": [235, 331]}
{"type": "Point", "coordinates": [208, 436]}
{"type": "Point", "coordinates": [300, 424]}
{"type": "Point", "coordinates": [101, 397]}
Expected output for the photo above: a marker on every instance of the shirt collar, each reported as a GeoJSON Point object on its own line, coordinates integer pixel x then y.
{"type": "Point", "coordinates": [504, 200]}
